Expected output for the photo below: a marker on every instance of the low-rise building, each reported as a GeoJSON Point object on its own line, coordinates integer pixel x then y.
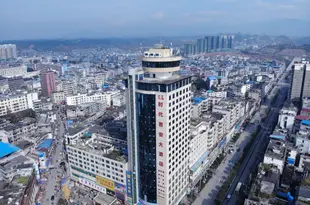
{"type": "Point", "coordinates": [275, 154]}
{"type": "Point", "coordinates": [98, 166]}
{"type": "Point", "coordinates": [233, 109]}
{"type": "Point", "coordinates": [13, 71]}
{"type": "Point", "coordinates": [118, 100]}
{"type": "Point", "coordinates": [16, 131]}
{"type": "Point", "coordinates": [58, 97]}
{"type": "Point", "coordinates": [105, 98]}
{"type": "Point", "coordinates": [18, 166]}
{"type": "Point", "coordinates": [42, 105]}
{"type": "Point", "coordinates": [83, 110]}
{"type": "Point", "coordinates": [287, 117]}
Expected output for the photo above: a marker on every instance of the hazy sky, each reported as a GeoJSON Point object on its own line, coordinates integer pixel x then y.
{"type": "Point", "coordinates": [24, 19]}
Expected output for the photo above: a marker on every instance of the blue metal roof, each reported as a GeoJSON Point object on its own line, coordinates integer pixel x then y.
{"type": "Point", "coordinates": [197, 100]}
{"type": "Point", "coordinates": [45, 144]}
{"type": "Point", "coordinates": [212, 77]}
{"type": "Point", "coordinates": [6, 149]}
{"type": "Point", "coordinates": [278, 137]}
{"type": "Point", "coordinates": [305, 122]}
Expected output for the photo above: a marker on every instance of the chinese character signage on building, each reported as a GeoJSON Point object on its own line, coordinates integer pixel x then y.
{"type": "Point", "coordinates": [129, 183]}
{"type": "Point", "coordinates": [93, 185]}
{"type": "Point", "coordinates": [105, 183]}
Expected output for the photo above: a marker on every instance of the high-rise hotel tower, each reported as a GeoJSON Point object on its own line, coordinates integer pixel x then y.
{"type": "Point", "coordinates": [158, 112]}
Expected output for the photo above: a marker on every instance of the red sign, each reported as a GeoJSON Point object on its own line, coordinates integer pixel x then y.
{"type": "Point", "coordinates": [161, 154]}
{"type": "Point", "coordinates": [161, 164]}
{"type": "Point", "coordinates": [161, 124]}
{"type": "Point", "coordinates": [160, 97]}
{"type": "Point", "coordinates": [160, 114]}
{"type": "Point", "coordinates": [161, 144]}
{"type": "Point", "coordinates": [160, 104]}
{"type": "Point", "coordinates": [161, 134]}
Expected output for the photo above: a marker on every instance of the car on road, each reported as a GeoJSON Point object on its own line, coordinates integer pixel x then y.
{"type": "Point", "coordinates": [52, 198]}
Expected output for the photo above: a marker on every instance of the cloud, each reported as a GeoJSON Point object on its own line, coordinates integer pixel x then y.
{"type": "Point", "coordinates": [159, 15]}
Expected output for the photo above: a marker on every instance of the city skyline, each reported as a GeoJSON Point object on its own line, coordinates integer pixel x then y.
{"type": "Point", "coordinates": [97, 19]}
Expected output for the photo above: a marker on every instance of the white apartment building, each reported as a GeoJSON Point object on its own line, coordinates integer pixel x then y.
{"type": "Point", "coordinates": [31, 98]}
{"type": "Point", "coordinates": [8, 51]}
{"type": "Point", "coordinates": [286, 118]}
{"type": "Point", "coordinates": [69, 88]}
{"type": "Point", "coordinates": [16, 102]}
{"type": "Point", "coordinates": [105, 98]}
{"type": "Point", "coordinates": [209, 133]}
{"type": "Point", "coordinates": [97, 166]}
{"type": "Point", "coordinates": [245, 88]}
{"type": "Point", "coordinates": [233, 109]}
{"type": "Point", "coordinates": [118, 100]}
{"type": "Point", "coordinates": [10, 72]}
{"type": "Point", "coordinates": [58, 97]}
{"type": "Point", "coordinates": [303, 142]}
{"type": "Point", "coordinates": [202, 104]}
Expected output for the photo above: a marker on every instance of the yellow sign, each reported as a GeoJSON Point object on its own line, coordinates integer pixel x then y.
{"type": "Point", "coordinates": [105, 183]}
{"type": "Point", "coordinates": [66, 191]}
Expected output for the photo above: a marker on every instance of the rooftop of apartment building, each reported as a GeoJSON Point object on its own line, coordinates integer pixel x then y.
{"type": "Point", "coordinates": [302, 134]}
{"type": "Point", "coordinates": [43, 119]}
{"type": "Point", "coordinates": [17, 163]}
{"type": "Point", "coordinates": [100, 149]}
{"type": "Point", "coordinates": [263, 186]}
{"type": "Point", "coordinates": [10, 95]}
{"type": "Point", "coordinates": [75, 130]}
{"type": "Point", "coordinates": [276, 149]}
{"type": "Point", "coordinates": [288, 107]}
{"type": "Point", "coordinates": [97, 129]}
{"type": "Point", "coordinates": [10, 65]}
{"type": "Point", "coordinates": [82, 106]}
{"type": "Point", "coordinates": [227, 104]}
{"type": "Point", "coordinates": [208, 117]}
{"type": "Point", "coordinates": [26, 121]}
{"type": "Point", "coordinates": [11, 192]}
{"type": "Point", "coordinates": [23, 144]}
{"type": "Point", "coordinates": [255, 91]}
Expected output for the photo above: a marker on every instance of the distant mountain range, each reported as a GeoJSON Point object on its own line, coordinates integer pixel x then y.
{"type": "Point", "coordinates": [69, 44]}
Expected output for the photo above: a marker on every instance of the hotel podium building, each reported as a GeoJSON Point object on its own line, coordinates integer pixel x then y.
{"type": "Point", "coordinates": [158, 112]}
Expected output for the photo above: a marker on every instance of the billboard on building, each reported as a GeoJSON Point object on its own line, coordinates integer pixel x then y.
{"type": "Point", "coordinates": [120, 187]}
{"type": "Point", "coordinates": [105, 183]}
{"type": "Point", "coordinates": [66, 191]}
{"type": "Point", "coordinates": [92, 185]}
{"type": "Point", "coordinates": [129, 183]}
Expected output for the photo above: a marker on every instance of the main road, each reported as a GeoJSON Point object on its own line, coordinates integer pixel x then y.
{"type": "Point", "coordinates": [55, 172]}
{"type": "Point", "coordinates": [254, 156]}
